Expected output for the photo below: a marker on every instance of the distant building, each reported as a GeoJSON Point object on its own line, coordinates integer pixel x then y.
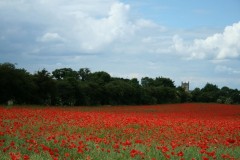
{"type": "Point", "coordinates": [185, 86]}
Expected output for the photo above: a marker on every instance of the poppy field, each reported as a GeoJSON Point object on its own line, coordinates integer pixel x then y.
{"type": "Point", "coordinates": [172, 131]}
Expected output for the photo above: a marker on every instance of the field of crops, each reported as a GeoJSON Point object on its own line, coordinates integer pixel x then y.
{"type": "Point", "coordinates": [179, 131]}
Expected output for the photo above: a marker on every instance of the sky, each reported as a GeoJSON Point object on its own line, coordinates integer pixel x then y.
{"type": "Point", "coordinates": [189, 40]}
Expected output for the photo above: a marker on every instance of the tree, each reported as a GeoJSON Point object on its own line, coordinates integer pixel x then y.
{"type": "Point", "coordinates": [158, 90]}
{"type": "Point", "coordinates": [147, 82]}
{"type": "Point", "coordinates": [164, 82]}
{"type": "Point", "coordinates": [84, 73]}
{"type": "Point", "coordinates": [235, 95]}
{"type": "Point", "coordinates": [157, 82]}
{"type": "Point", "coordinates": [46, 87]}
{"type": "Point", "coordinates": [65, 73]}
{"type": "Point", "coordinates": [209, 93]}
{"type": "Point", "coordinates": [229, 96]}
{"type": "Point", "coordinates": [65, 93]}
{"type": "Point", "coordinates": [100, 77]}
{"type": "Point", "coordinates": [165, 95]}
{"type": "Point", "coordinates": [120, 92]}
{"type": "Point", "coordinates": [67, 85]}
{"type": "Point", "coordinates": [183, 96]}
{"type": "Point", "coordinates": [196, 95]}
{"type": "Point", "coordinates": [16, 84]}
{"type": "Point", "coordinates": [7, 77]}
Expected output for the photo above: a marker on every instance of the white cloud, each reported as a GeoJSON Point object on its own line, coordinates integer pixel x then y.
{"type": "Point", "coordinates": [225, 69]}
{"type": "Point", "coordinates": [51, 37]}
{"type": "Point", "coordinates": [219, 46]}
{"type": "Point", "coordinates": [97, 33]}
{"type": "Point", "coordinates": [143, 23]}
{"type": "Point", "coordinates": [80, 26]}
{"type": "Point", "coordinates": [110, 35]}
{"type": "Point", "coordinates": [115, 32]}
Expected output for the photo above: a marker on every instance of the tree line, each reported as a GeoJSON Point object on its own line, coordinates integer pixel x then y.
{"type": "Point", "coordinates": [67, 87]}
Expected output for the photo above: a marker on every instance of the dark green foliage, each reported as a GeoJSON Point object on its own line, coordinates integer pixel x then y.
{"type": "Point", "coordinates": [65, 73]}
{"type": "Point", "coordinates": [121, 92]}
{"type": "Point", "coordinates": [209, 93]}
{"type": "Point", "coordinates": [196, 93]}
{"type": "Point", "coordinates": [157, 82]}
{"type": "Point", "coordinates": [84, 73]}
{"type": "Point", "coordinates": [45, 87]}
{"type": "Point", "coordinates": [72, 88]}
{"type": "Point", "coordinates": [184, 96]}
{"type": "Point", "coordinates": [101, 78]}
{"type": "Point", "coordinates": [16, 85]}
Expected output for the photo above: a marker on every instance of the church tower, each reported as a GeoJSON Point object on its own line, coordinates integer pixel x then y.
{"type": "Point", "coordinates": [185, 86]}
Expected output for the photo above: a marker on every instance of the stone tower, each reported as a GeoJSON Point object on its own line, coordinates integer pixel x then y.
{"type": "Point", "coordinates": [185, 86]}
